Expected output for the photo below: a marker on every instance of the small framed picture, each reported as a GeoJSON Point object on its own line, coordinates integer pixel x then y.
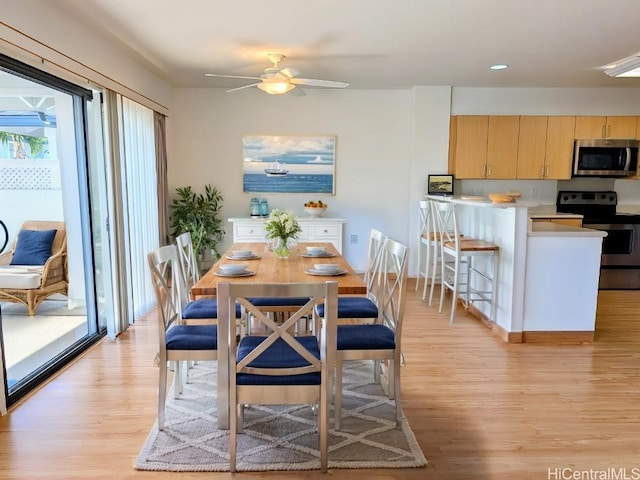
{"type": "Point", "coordinates": [440, 185]}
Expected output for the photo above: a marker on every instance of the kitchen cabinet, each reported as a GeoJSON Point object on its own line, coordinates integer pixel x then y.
{"type": "Point", "coordinates": [484, 146]}
{"type": "Point", "coordinates": [545, 147]}
{"type": "Point", "coordinates": [590, 127]}
{"type": "Point", "coordinates": [313, 230]}
{"type": "Point", "coordinates": [532, 147]}
{"type": "Point", "coordinates": [559, 147]}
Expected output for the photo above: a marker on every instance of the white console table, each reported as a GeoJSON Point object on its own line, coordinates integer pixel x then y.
{"type": "Point", "coordinates": [320, 229]}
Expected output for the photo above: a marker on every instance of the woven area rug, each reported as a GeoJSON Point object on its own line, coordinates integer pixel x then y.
{"type": "Point", "coordinates": [280, 437]}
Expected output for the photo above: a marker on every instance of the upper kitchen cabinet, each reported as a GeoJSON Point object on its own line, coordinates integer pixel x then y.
{"type": "Point", "coordinates": [559, 147]}
{"type": "Point", "coordinates": [484, 146]}
{"type": "Point", "coordinates": [545, 147]}
{"type": "Point", "coordinates": [605, 127]}
{"type": "Point", "coordinates": [532, 147]}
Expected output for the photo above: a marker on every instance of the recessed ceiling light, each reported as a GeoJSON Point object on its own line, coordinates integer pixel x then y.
{"type": "Point", "coordinates": [499, 66]}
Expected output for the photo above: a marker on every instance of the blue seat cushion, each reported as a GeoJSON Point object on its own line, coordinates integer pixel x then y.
{"type": "Point", "coordinates": [33, 247]}
{"type": "Point", "coordinates": [278, 302]}
{"type": "Point", "coordinates": [192, 337]}
{"type": "Point", "coordinates": [278, 355]}
{"type": "Point", "coordinates": [205, 308]}
{"type": "Point", "coordinates": [365, 337]}
{"type": "Point", "coordinates": [353, 307]}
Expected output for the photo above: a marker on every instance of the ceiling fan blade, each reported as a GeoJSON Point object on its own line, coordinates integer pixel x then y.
{"type": "Point", "coordinates": [290, 72]}
{"type": "Point", "coordinates": [313, 82]}
{"type": "Point", "coordinates": [243, 87]}
{"type": "Point", "coordinates": [297, 92]}
{"type": "Point", "coordinates": [229, 76]}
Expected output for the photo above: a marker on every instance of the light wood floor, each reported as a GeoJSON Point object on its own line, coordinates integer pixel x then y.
{"type": "Point", "coordinates": [480, 409]}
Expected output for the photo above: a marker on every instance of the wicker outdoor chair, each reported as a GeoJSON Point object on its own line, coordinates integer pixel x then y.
{"type": "Point", "coordinates": [31, 284]}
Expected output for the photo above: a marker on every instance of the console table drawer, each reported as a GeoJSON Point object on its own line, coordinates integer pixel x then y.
{"type": "Point", "coordinates": [326, 232]}
{"type": "Point", "coordinates": [248, 233]}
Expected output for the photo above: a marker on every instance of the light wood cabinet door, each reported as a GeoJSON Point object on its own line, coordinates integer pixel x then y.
{"type": "Point", "coordinates": [621, 127]}
{"type": "Point", "coordinates": [590, 127]}
{"type": "Point", "coordinates": [502, 147]}
{"type": "Point", "coordinates": [606, 127]}
{"type": "Point", "coordinates": [559, 151]}
{"type": "Point", "coordinates": [471, 146]}
{"type": "Point", "coordinates": [532, 146]}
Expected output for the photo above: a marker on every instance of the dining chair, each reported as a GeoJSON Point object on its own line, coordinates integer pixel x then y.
{"type": "Point", "coordinates": [459, 271]}
{"type": "Point", "coordinates": [177, 342]}
{"type": "Point", "coordinates": [277, 367]}
{"type": "Point", "coordinates": [380, 341]}
{"type": "Point", "coordinates": [188, 258]}
{"type": "Point", "coordinates": [365, 307]}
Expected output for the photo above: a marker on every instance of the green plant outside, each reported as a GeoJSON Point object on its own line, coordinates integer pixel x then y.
{"type": "Point", "coordinates": [36, 144]}
{"type": "Point", "coordinates": [198, 214]}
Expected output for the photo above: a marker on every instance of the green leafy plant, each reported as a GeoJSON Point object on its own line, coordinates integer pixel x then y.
{"type": "Point", "coordinates": [198, 214]}
{"type": "Point", "coordinates": [36, 144]}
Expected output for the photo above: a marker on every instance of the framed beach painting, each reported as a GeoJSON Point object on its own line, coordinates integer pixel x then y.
{"type": "Point", "coordinates": [289, 164]}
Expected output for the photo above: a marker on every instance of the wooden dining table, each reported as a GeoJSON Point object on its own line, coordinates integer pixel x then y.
{"type": "Point", "coordinates": [268, 268]}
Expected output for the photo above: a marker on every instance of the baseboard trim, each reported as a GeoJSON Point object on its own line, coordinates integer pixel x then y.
{"type": "Point", "coordinates": [539, 337]}
{"type": "Point", "coordinates": [558, 338]}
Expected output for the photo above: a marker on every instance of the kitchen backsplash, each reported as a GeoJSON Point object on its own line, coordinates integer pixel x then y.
{"type": "Point", "coordinates": [546, 191]}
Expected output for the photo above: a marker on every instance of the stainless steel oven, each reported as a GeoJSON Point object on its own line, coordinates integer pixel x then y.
{"type": "Point", "coordinates": [620, 262]}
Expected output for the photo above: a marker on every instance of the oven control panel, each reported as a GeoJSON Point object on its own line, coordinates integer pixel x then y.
{"type": "Point", "coordinates": [587, 198]}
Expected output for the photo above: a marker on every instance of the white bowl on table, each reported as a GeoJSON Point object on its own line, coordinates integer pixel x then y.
{"type": "Point", "coordinates": [233, 268]}
{"type": "Point", "coordinates": [325, 267]}
{"type": "Point", "coordinates": [241, 253]}
{"type": "Point", "coordinates": [316, 251]}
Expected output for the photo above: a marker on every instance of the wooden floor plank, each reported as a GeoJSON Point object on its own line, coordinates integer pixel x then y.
{"type": "Point", "coordinates": [481, 409]}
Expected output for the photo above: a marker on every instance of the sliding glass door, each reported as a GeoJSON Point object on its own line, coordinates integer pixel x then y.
{"type": "Point", "coordinates": [52, 172]}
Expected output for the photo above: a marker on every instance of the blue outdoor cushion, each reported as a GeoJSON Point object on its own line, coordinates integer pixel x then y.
{"type": "Point", "coordinates": [278, 355]}
{"type": "Point", "coordinates": [192, 337]}
{"type": "Point", "coordinates": [33, 247]}
{"type": "Point", "coordinates": [353, 307]}
{"type": "Point", "coordinates": [205, 308]}
{"type": "Point", "coordinates": [365, 337]}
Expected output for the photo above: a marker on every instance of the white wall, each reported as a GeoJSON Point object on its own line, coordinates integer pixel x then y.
{"type": "Point", "coordinates": [373, 152]}
{"type": "Point", "coordinates": [82, 50]}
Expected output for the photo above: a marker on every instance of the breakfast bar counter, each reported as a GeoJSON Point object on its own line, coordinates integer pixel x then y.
{"type": "Point", "coordinates": [533, 257]}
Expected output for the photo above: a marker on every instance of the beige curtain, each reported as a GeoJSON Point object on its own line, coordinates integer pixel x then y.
{"type": "Point", "coordinates": [159, 121]}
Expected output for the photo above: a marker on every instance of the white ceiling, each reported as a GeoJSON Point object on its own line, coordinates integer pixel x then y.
{"type": "Point", "coordinates": [376, 43]}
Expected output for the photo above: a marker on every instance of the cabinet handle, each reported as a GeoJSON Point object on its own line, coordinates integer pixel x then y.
{"type": "Point", "coordinates": [608, 131]}
{"type": "Point", "coordinates": [488, 170]}
{"type": "Point", "coordinates": [326, 231]}
{"type": "Point", "coordinates": [547, 170]}
{"type": "Point", "coordinates": [250, 231]}
{"type": "Point", "coordinates": [604, 133]}
{"type": "Point", "coordinates": [541, 171]}
{"type": "Point", "coordinates": [484, 170]}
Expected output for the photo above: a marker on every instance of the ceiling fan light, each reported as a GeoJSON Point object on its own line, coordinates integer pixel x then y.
{"type": "Point", "coordinates": [276, 88]}
{"type": "Point", "coordinates": [627, 68]}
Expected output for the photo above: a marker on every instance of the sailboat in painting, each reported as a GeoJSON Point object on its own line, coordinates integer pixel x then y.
{"type": "Point", "coordinates": [275, 170]}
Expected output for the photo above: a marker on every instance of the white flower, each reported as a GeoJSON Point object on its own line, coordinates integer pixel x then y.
{"type": "Point", "coordinates": [282, 224]}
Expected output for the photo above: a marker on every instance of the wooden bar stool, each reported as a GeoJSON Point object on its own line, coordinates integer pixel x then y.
{"type": "Point", "coordinates": [458, 252]}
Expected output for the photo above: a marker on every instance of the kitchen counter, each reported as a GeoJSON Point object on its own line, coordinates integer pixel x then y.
{"type": "Point", "coordinates": [548, 273]}
{"type": "Point", "coordinates": [549, 229]}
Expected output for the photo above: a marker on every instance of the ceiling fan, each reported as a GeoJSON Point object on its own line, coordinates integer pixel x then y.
{"type": "Point", "coordinates": [276, 80]}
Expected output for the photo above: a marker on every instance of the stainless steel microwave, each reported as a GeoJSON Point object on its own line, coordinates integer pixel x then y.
{"type": "Point", "coordinates": [605, 158]}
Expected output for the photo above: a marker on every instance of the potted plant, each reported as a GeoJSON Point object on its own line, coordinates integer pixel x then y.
{"type": "Point", "coordinates": [198, 214]}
